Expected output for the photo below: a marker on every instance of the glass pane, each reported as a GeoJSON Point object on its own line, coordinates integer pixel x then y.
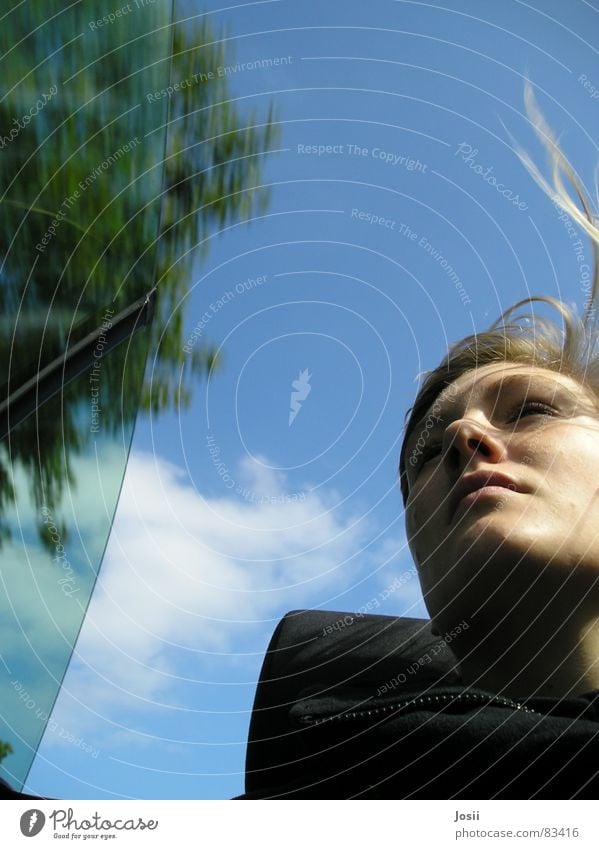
{"type": "Point", "coordinates": [81, 171]}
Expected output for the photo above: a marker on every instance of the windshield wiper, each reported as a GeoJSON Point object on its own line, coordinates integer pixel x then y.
{"type": "Point", "coordinates": [77, 358]}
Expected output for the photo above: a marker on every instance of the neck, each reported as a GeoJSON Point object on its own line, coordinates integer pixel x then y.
{"type": "Point", "coordinates": [536, 658]}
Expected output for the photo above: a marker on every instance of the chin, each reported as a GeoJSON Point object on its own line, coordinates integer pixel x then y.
{"type": "Point", "coordinates": [493, 530]}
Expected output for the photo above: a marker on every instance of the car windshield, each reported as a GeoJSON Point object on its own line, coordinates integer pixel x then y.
{"type": "Point", "coordinates": [81, 178]}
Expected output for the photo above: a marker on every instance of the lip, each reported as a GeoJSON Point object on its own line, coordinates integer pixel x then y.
{"type": "Point", "coordinates": [477, 481]}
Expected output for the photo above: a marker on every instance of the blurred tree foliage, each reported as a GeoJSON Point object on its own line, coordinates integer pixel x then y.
{"type": "Point", "coordinates": [5, 750]}
{"type": "Point", "coordinates": [108, 187]}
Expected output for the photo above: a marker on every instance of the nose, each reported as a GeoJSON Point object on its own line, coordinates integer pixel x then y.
{"type": "Point", "coordinates": [466, 439]}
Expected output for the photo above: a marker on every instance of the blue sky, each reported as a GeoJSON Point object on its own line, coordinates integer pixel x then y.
{"type": "Point", "coordinates": [211, 547]}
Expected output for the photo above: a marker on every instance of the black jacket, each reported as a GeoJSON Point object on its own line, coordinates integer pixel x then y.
{"type": "Point", "coordinates": [371, 707]}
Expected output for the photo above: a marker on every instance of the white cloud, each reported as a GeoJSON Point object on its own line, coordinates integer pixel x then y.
{"type": "Point", "coordinates": [185, 571]}
{"type": "Point", "coordinates": [186, 574]}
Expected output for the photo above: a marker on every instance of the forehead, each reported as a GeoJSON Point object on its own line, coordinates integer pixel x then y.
{"type": "Point", "coordinates": [474, 383]}
{"type": "Point", "coordinates": [492, 379]}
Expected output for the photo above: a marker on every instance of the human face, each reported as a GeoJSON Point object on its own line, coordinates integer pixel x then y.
{"type": "Point", "coordinates": [537, 432]}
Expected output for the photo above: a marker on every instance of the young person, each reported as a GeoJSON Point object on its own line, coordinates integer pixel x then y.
{"type": "Point", "coordinates": [499, 472]}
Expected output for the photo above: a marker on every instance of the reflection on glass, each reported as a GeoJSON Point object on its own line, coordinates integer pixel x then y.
{"type": "Point", "coordinates": [116, 161]}
{"type": "Point", "coordinates": [81, 169]}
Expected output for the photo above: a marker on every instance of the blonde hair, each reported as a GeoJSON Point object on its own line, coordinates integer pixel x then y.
{"type": "Point", "coordinates": [523, 337]}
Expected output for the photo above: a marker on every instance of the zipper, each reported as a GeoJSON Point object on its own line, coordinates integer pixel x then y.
{"type": "Point", "coordinates": [419, 701]}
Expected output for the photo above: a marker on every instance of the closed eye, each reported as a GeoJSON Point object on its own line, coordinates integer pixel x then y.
{"type": "Point", "coordinates": [528, 408]}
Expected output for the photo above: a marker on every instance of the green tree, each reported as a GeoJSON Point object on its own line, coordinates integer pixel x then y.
{"type": "Point", "coordinates": [5, 750]}
{"type": "Point", "coordinates": [116, 222]}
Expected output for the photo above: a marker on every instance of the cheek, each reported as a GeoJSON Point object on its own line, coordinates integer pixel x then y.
{"type": "Point", "coordinates": [414, 516]}
{"type": "Point", "coordinates": [421, 533]}
{"type": "Point", "coordinates": [421, 503]}
{"type": "Point", "coordinates": [415, 519]}
{"type": "Point", "coordinates": [574, 471]}
{"type": "Point", "coordinates": [412, 526]}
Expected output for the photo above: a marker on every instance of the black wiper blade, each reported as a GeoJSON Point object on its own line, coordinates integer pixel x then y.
{"type": "Point", "coordinates": [17, 405]}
